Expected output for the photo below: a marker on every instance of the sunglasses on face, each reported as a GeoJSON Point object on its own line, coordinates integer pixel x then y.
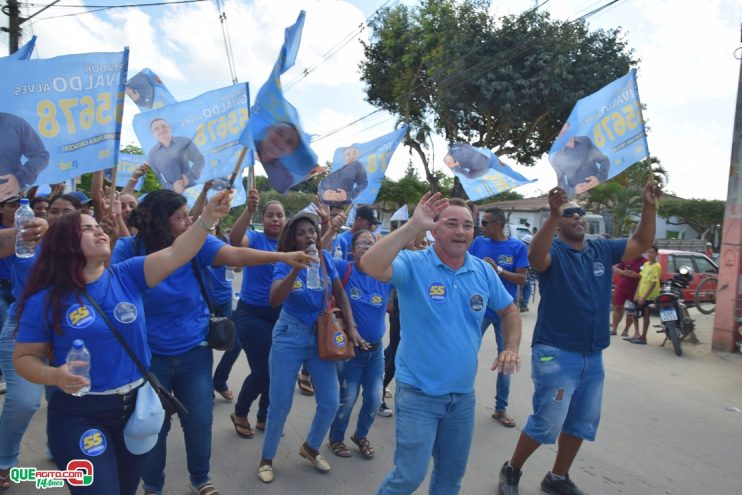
{"type": "Point", "coordinates": [568, 212]}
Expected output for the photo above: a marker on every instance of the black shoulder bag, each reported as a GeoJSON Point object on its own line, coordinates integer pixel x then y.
{"type": "Point", "coordinates": [222, 333]}
{"type": "Point", "coordinates": [170, 403]}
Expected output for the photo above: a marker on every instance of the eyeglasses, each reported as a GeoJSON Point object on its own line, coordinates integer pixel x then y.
{"type": "Point", "coordinates": [363, 244]}
{"type": "Point", "coordinates": [568, 212]}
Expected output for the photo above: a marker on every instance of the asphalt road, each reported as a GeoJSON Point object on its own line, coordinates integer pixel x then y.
{"type": "Point", "coordinates": [665, 430]}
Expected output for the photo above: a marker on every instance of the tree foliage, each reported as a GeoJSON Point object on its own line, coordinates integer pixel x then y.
{"type": "Point", "coordinates": [506, 84]}
{"type": "Point", "coordinates": [699, 214]}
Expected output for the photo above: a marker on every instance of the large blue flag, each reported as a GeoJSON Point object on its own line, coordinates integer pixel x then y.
{"type": "Point", "coordinates": [60, 117]}
{"type": "Point", "coordinates": [128, 163]}
{"type": "Point", "coordinates": [273, 130]}
{"type": "Point", "coordinates": [357, 171]}
{"type": "Point", "coordinates": [193, 141]}
{"type": "Point", "coordinates": [147, 91]}
{"type": "Point", "coordinates": [481, 172]}
{"type": "Point", "coordinates": [603, 136]}
{"type": "Point", "coordinates": [24, 52]}
{"type": "Point", "coordinates": [219, 184]}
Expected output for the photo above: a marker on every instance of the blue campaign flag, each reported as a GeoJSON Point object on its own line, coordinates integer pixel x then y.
{"type": "Point", "coordinates": [274, 130]}
{"type": "Point", "coordinates": [219, 184]}
{"type": "Point", "coordinates": [147, 91]}
{"type": "Point", "coordinates": [603, 136]}
{"type": "Point", "coordinates": [193, 141]}
{"type": "Point", "coordinates": [60, 117]}
{"type": "Point", "coordinates": [128, 163]}
{"type": "Point", "coordinates": [24, 52]}
{"type": "Point", "coordinates": [357, 171]}
{"type": "Point", "coordinates": [481, 172]}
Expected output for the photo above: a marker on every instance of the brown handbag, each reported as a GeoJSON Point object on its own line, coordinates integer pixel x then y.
{"type": "Point", "coordinates": [333, 343]}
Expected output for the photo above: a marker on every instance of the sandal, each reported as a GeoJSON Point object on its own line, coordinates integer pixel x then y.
{"type": "Point", "coordinates": [503, 419]}
{"type": "Point", "coordinates": [4, 479]}
{"type": "Point", "coordinates": [227, 395]}
{"type": "Point", "coordinates": [260, 425]}
{"type": "Point", "coordinates": [305, 384]}
{"type": "Point", "coordinates": [340, 449]}
{"type": "Point", "coordinates": [205, 489]}
{"type": "Point", "coordinates": [364, 446]}
{"type": "Point", "coordinates": [242, 429]}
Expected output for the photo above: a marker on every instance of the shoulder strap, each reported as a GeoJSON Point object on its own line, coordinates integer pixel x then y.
{"type": "Point", "coordinates": [120, 338]}
{"type": "Point", "coordinates": [347, 274]}
{"type": "Point", "coordinates": [326, 304]}
{"type": "Point", "coordinates": [197, 271]}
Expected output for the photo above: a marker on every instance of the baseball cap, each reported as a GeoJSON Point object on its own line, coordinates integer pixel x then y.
{"type": "Point", "coordinates": [367, 213]}
{"type": "Point", "coordinates": [84, 199]}
{"type": "Point", "coordinates": [11, 199]}
{"type": "Point", "coordinates": [143, 426]}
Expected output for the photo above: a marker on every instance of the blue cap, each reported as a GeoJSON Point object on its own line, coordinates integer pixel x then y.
{"type": "Point", "coordinates": [81, 196]}
{"type": "Point", "coordinates": [143, 426]}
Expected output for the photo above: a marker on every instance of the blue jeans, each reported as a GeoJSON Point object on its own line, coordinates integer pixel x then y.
{"type": "Point", "coordinates": [527, 291]}
{"type": "Point", "coordinates": [221, 374]}
{"type": "Point", "coordinates": [367, 370]}
{"type": "Point", "coordinates": [502, 391]}
{"type": "Point", "coordinates": [189, 377]}
{"type": "Point", "coordinates": [437, 425]}
{"type": "Point", "coordinates": [255, 328]}
{"type": "Point", "coordinates": [567, 396]}
{"type": "Point", "coordinates": [21, 400]}
{"type": "Point", "coordinates": [116, 471]}
{"type": "Point", "coordinates": [295, 342]}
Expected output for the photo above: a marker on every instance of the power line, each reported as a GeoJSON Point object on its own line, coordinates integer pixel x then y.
{"type": "Point", "coordinates": [227, 40]}
{"type": "Point", "coordinates": [99, 8]}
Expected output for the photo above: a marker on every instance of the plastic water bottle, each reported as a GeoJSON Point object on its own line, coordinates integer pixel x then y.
{"type": "Point", "coordinates": [23, 215]}
{"type": "Point", "coordinates": [78, 363]}
{"type": "Point", "coordinates": [338, 254]}
{"type": "Point", "coordinates": [229, 274]}
{"type": "Point", "coordinates": [313, 281]}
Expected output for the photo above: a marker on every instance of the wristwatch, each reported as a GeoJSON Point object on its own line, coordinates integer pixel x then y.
{"type": "Point", "coordinates": [499, 270]}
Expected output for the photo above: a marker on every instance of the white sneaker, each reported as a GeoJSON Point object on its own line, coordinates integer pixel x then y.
{"type": "Point", "coordinates": [384, 410]}
{"type": "Point", "coordinates": [3, 385]}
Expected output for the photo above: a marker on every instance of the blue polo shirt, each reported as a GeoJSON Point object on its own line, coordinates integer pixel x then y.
{"type": "Point", "coordinates": [306, 304]}
{"type": "Point", "coordinates": [368, 298]}
{"type": "Point", "coordinates": [574, 311]}
{"type": "Point", "coordinates": [441, 311]}
{"type": "Point", "coordinates": [256, 280]}
{"type": "Point", "coordinates": [119, 292]}
{"type": "Point", "coordinates": [177, 315]}
{"type": "Point", "coordinates": [511, 254]}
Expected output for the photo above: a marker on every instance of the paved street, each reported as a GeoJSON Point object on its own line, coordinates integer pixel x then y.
{"type": "Point", "coordinates": [664, 430]}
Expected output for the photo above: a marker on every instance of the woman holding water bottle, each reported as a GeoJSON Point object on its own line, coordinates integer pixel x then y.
{"type": "Point", "coordinates": [295, 341]}
{"type": "Point", "coordinates": [56, 309]}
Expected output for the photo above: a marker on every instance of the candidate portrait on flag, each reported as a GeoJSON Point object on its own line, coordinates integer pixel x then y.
{"type": "Point", "coordinates": [343, 185]}
{"type": "Point", "coordinates": [176, 160]}
{"type": "Point", "coordinates": [22, 154]}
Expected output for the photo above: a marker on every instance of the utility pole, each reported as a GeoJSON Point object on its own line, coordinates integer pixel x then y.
{"type": "Point", "coordinates": [14, 24]}
{"type": "Point", "coordinates": [729, 288]}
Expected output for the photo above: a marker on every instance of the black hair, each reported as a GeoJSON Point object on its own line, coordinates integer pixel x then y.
{"type": "Point", "coordinates": [287, 241]}
{"type": "Point", "coordinates": [69, 198]}
{"type": "Point", "coordinates": [39, 199]}
{"type": "Point", "coordinates": [151, 218]}
{"type": "Point", "coordinates": [497, 213]}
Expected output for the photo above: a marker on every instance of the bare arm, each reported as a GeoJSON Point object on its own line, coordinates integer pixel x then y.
{"type": "Point", "coordinates": [237, 235]}
{"type": "Point", "coordinates": [377, 262]}
{"type": "Point", "coordinates": [239, 256]}
{"type": "Point", "coordinates": [643, 236]}
{"type": "Point", "coordinates": [198, 205]}
{"type": "Point", "coordinates": [29, 360]}
{"type": "Point", "coordinates": [34, 231]}
{"type": "Point", "coordinates": [138, 173]}
{"type": "Point", "coordinates": [518, 277]}
{"type": "Point", "coordinates": [538, 252]}
{"type": "Point", "coordinates": [508, 361]}
{"type": "Point", "coordinates": [281, 288]}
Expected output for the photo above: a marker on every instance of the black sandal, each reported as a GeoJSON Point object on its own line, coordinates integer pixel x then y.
{"type": "Point", "coordinates": [305, 384]}
{"type": "Point", "coordinates": [243, 430]}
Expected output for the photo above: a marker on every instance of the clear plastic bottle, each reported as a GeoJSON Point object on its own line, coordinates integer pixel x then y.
{"type": "Point", "coordinates": [338, 253]}
{"type": "Point", "coordinates": [23, 215]}
{"type": "Point", "coordinates": [78, 363]}
{"type": "Point", "coordinates": [229, 273]}
{"type": "Point", "coordinates": [313, 280]}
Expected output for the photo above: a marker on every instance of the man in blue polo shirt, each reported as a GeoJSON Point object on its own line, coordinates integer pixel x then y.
{"type": "Point", "coordinates": [571, 332]}
{"type": "Point", "coordinates": [443, 293]}
{"type": "Point", "coordinates": [509, 257]}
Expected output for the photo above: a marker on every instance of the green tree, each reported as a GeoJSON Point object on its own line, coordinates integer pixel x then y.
{"type": "Point", "coordinates": [448, 66]}
{"type": "Point", "coordinates": [700, 214]}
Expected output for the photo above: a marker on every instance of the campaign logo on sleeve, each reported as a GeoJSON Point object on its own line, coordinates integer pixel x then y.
{"type": "Point", "coordinates": [125, 312]}
{"type": "Point", "coordinates": [93, 442]}
{"type": "Point", "coordinates": [437, 291]}
{"type": "Point", "coordinates": [80, 316]}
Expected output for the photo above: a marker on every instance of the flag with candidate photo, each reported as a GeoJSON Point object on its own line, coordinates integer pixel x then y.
{"type": "Point", "coordinates": [147, 91]}
{"type": "Point", "coordinates": [239, 197]}
{"type": "Point", "coordinates": [603, 136]}
{"type": "Point", "coordinates": [128, 163]}
{"type": "Point", "coordinates": [274, 132]}
{"type": "Point", "coordinates": [358, 170]}
{"type": "Point", "coordinates": [482, 174]}
{"type": "Point", "coordinates": [59, 117]}
{"type": "Point", "coordinates": [24, 52]}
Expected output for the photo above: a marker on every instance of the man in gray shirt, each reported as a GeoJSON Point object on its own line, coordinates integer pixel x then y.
{"type": "Point", "coordinates": [175, 159]}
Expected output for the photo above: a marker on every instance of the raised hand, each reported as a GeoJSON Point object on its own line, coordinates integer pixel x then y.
{"type": "Point", "coordinates": [299, 259]}
{"type": "Point", "coordinates": [652, 192]}
{"type": "Point", "coordinates": [218, 206]}
{"type": "Point", "coordinates": [557, 200]}
{"type": "Point", "coordinates": [429, 207]}
{"type": "Point", "coordinates": [253, 200]}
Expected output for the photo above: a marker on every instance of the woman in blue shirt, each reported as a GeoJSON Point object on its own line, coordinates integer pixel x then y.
{"type": "Point", "coordinates": [255, 317]}
{"type": "Point", "coordinates": [295, 342]}
{"type": "Point", "coordinates": [177, 325]}
{"type": "Point", "coordinates": [368, 298]}
{"type": "Point", "coordinates": [53, 312]}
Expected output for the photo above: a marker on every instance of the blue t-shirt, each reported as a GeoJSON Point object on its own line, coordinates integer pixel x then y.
{"type": "Point", "coordinates": [177, 315]}
{"type": "Point", "coordinates": [256, 280]}
{"type": "Point", "coordinates": [5, 263]}
{"type": "Point", "coordinates": [20, 270]}
{"type": "Point", "coordinates": [119, 292]}
{"type": "Point", "coordinates": [218, 287]}
{"type": "Point", "coordinates": [511, 254]}
{"type": "Point", "coordinates": [368, 298]}
{"type": "Point", "coordinates": [574, 311]}
{"type": "Point", "coordinates": [306, 304]}
{"type": "Point", "coordinates": [441, 312]}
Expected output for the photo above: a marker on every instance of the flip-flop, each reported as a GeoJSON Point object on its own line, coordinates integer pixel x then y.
{"type": "Point", "coordinates": [227, 395]}
{"type": "Point", "coordinates": [5, 479]}
{"type": "Point", "coordinates": [243, 430]}
{"type": "Point", "coordinates": [638, 341]}
{"type": "Point", "coordinates": [305, 384]}
{"type": "Point", "coordinates": [503, 419]}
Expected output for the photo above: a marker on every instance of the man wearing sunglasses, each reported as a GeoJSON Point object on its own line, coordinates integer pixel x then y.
{"type": "Point", "coordinates": [572, 329]}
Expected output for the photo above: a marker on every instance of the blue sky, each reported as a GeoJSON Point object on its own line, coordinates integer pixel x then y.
{"type": "Point", "coordinates": [687, 76]}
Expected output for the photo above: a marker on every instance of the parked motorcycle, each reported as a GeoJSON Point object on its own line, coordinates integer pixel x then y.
{"type": "Point", "coordinates": [677, 324]}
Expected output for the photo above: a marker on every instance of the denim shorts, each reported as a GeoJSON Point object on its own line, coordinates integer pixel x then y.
{"type": "Point", "coordinates": [567, 396]}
